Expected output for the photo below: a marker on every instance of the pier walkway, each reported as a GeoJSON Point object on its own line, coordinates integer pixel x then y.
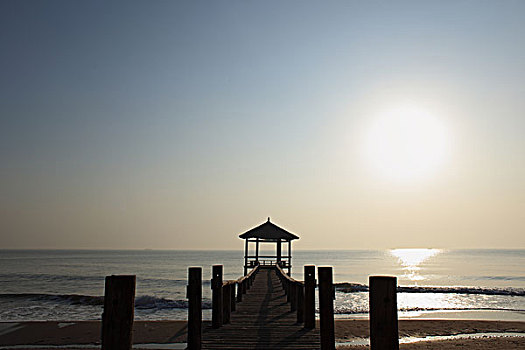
{"type": "Point", "coordinates": [262, 320]}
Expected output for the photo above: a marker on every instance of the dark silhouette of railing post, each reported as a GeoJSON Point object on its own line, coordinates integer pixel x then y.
{"type": "Point", "coordinates": [226, 303]}
{"type": "Point", "coordinates": [194, 295]}
{"type": "Point", "coordinates": [383, 313]}
{"type": "Point", "coordinates": [239, 292]}
{"type": "Point", "coordinates": [300, 302]}
{"type": "Point", "coordinates": [309, 296]}
{"type": "Point", "coordinates": [293, 296]}
{"type": "Point", "coordinates": [326, 308]}
{"type": "Point", "coordinates": [245, 285]}
{"type": "Point", "coordinates": [232, 296]}
{"type": "Point", "coordinates": [216, 286]}
{"type": "Point", "coordinates": [117, 319]}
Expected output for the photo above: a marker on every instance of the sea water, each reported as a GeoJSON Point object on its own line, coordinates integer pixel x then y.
{"type": "Point", "coordinates": [69, 284]}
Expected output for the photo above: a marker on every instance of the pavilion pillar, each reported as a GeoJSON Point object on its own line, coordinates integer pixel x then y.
{"type": "Point", "coordinates": [289, 258]}
{"type": "Point", "coordinates": [278, 250]}
{"type": "Point", "coordinates": [245, 257]}
{"type": "Point", "coordinates": [257, 250]}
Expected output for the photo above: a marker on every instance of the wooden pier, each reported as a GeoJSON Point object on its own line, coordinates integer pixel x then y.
{"type": "Point", "coordinates": [264, 309]}
{"type": "Point", "coordinates": [263, 320]}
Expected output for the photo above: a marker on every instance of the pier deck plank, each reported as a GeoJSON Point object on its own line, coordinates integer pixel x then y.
{"type": "Point", "coordinates": [263, 320]}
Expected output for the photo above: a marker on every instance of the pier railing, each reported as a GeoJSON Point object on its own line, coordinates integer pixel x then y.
{"type": "Point", "coordinates": [267, 263]}
{"type": "Point", "coordinates": [224, 295]}
{"type": "Point", "coordinates": [305, 306]}
{"type": "Point", "coordinates": [294, 293]}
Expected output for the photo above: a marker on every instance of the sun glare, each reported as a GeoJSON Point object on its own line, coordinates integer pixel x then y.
{"type": "Point", "coordinates": [410, 259]}
{"type": "Point", "coordinates": [406, 144]}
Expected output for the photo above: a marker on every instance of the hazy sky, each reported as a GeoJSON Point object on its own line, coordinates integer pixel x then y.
{"type": "Point", "coordinates": [181, 124]}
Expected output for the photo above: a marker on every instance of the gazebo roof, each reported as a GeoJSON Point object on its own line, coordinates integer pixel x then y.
{"type": "Point", "coordinates": [269, 231]}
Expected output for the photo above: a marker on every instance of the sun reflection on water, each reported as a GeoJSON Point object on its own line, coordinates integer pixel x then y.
{"type": "Point", "coordinates": [410, 259]}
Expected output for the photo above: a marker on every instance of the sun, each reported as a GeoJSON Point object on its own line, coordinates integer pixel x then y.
{"type": "Point", "coordinates": [406, 144]}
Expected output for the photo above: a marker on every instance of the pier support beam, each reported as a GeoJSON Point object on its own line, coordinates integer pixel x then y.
{"type": "Point", "coordinates": [117, 319]}
{"type": "Point", "coordinates": [326, 308]}
{"type": "Point", "coordinates": [384, 333]}
{"type": "Point", "coordinates": [194, 295]}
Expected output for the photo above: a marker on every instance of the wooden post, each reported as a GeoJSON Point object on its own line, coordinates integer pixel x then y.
{"type": "Point", "coordinates": [117, 318]}
{"type": "Point", "coordinates": [246, 257]}
{"type": "Point", "coordinates": [278, 250]}
{"type": "Point", "coordinates": [232, 296]}
{"type": "Point", "coordinates": [216, 286]}
{"type": "Point", "coordinates": [290, 258]}
{"type": "Point", "coordinates": [257, 250]}
{"type": "Point", "coordinates": [194, 295]}
{"type": "Point", "coordinates": [300, 303]}
{"type": "Point", "coordinates": [383, 313]}
{"type": "Point", "coordinates": [309, 296]}
{"type": "Point", "coordinates": [293, 296]}
{"type": "Point", "coordinates": [326, 308]}
{"type": "Point", "coordinates": [239, 292]}
{"type": "Point", "coordinates": [226, 303]}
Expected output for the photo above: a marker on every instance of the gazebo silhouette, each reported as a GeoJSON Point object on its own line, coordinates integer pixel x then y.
{"type": "Point", "coordinates": [264, 233]}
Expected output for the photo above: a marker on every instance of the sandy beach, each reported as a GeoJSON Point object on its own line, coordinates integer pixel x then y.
{"type": "Point", "coordinates": [351, 329]}
{"type": "Point", "coordinates": [162, 332]}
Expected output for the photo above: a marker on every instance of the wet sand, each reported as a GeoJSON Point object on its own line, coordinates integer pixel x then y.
{"type": "Point", "coordinates": [161, 332]}
{"type": "Point", "coordinates": [347, 330]}
{"type": "Point", "coordinates": [506, 343]}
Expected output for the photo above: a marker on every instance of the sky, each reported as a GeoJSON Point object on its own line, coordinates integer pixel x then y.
{"type": "Point", "coordinates": [182, 124]}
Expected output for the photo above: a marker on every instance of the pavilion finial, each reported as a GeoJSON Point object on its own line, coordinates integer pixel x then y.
{"type": "Point", "coordinates": [268, 219]}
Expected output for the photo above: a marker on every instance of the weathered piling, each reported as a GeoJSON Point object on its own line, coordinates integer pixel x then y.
{"type": "Point", "coordinates": [216, 286]}
{"type": "Point", "coordinates": [300, 303]}
{"type": "Point", "coordinates": [117, 319]}
{"type": "Point", "coordinates": [239, 291]}
{"type": "Point", "coordinates": [383, 313]}
{"type": "Point", "coordinates": [194, 295]}
{"type": "Point", "coordinates": [326, 308]}
{"type": "Point", "coordinates": [226, 303]}
{"type": "Point", "coordinates": [309, 296]}
{"type": "Point", "coordinates": [292, 292]}
{"type": "Point", "coordinates": [232, 296]}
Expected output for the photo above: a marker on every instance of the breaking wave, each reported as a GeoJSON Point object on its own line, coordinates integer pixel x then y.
{"type": "Point", "coordinates": [364, 310]}
{"type": "Point", "coordinates": [141, 302]}
{"type": "Point", "coordinates": [356, 287]}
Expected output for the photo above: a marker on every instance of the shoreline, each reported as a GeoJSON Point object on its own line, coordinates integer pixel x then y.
{"type": "Point", "coordinates": [479, 315]}
{"type": "Point", "coordinates": [444, 314]}
{"type": "Point", "coordinates": [86, 334]}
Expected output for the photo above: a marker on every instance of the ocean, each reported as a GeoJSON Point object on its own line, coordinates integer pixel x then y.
{"type": "Point", "coordinates": [436, 283]}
